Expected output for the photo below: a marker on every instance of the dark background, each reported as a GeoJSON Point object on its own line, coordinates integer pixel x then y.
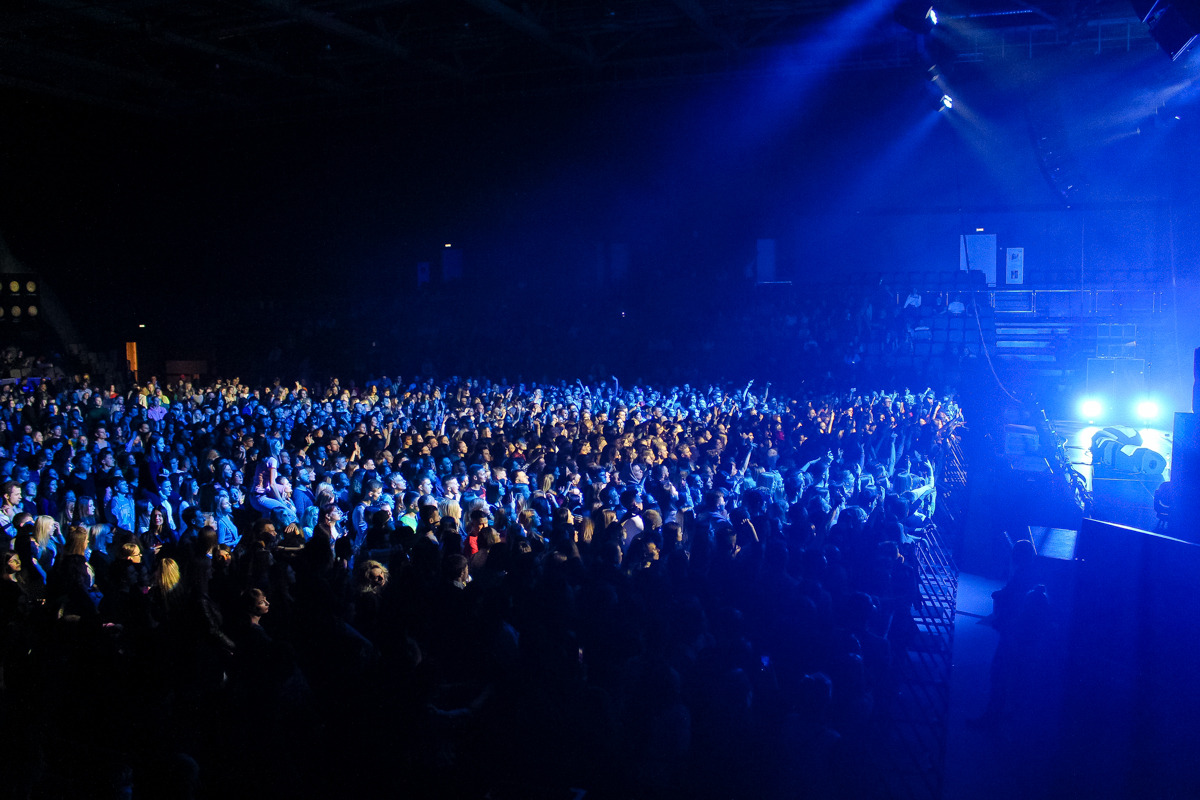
{"type": "Point", "coordinates": [176, 223]}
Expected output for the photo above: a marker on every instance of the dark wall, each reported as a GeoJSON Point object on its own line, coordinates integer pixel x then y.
{"type": "Point", "coordinates": [169, 220]}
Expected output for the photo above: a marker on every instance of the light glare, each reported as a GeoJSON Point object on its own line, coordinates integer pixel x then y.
{"type": "Point", "coordinates": [1091, 408]}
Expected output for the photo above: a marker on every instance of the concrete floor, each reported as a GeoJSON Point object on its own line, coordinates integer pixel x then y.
{"type": "Point", "coordinates": [1015, 760]}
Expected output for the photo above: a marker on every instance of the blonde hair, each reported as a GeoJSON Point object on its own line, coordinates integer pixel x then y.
{"type": "Point", "coordinates": [166, 577]}
{"type": "Point", "coordinates": [365, 583]}
{"type": "Point", "coordinates": [43, 529]}
{"type": "Point", "coordinates": [450, 508]}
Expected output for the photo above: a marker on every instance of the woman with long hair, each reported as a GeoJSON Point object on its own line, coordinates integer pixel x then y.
{"type": "Point", "coordinates": [70, 586]}
{"type": "Point", "coordinates": [44, 534]}
{"type": "Point", "coordinates": [49, 500]}
{"type": "Point", "coordinates": [189, 495]}
{"type": "Point", "coordinates": [165, 595]}
{"type": "Point", "coordinates": [85, 512]}
{"type": "Point", "coordinates": [448, 508]}
{"type": "Point", "coordinates": [227, 530]}
{"type": "Point", "coordinates": [31, 576]}
{"type": "Point", "coordinates": [158, 531]}
{"type": "Point", "coordinates": [66, 509]}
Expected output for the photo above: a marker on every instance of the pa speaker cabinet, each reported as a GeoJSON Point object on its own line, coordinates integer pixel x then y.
{"type": "Point", "coordinates": [1185, 478]}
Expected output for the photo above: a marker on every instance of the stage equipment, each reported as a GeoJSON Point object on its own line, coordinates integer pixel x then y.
{"type": "Point", "coordinates": [1185, 478]}
{"type": "Point", "coordinates": [918, 17]}
{"type": "Point", "coordinates": [20, 302]}
{"type": "Point", "coordinates": [1121, 449]}
{"type": "Point", "coordinates": [1173, 24]}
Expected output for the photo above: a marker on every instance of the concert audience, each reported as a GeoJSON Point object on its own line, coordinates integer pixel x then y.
{"type": "Point", "coordinates": [451, 587]}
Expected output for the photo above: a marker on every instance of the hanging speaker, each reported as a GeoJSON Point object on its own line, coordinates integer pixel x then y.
{"type": "Point", "coordinates": [1172, 24]}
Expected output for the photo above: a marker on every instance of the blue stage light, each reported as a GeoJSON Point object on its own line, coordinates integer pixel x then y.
{"type": "Point", "coordinates": [931, 16]}
{"type": "Point", "coordinates": [1091, 408]}
{"type": "Point", "coordinates": [1147, 410]}
{"type": "Point", "coordinates": [947, 102]}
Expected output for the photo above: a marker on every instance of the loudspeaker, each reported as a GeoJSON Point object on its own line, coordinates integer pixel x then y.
{"type": "Point", "coordinates": [1173, 24]}
{"type": "Point", "coordinates": [1130, 705]}
{"type": "Point", "coordinates": [1185, 478]}
{"type": "Point", "coordinates": [1125, 500]}
{"type": "Point", "coordinates": [1172, 29]}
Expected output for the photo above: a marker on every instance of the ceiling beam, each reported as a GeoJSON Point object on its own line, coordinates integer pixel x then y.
{"type": "Point", "coordinates": [115, 19]}
{"type": "Point", "coordinates": [533, 29]}
{"type": "Point", "coordinates": [700, 18]}
{"type": "Point", "coordinates": [41, 53]}
{"type": "Point", "coordinates": [37, 87]}
{"type": "Point", "coordinates": [361, 37]}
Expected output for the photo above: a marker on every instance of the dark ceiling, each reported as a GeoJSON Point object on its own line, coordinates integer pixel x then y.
{"type": "Point", "coordinates": [250, 61]}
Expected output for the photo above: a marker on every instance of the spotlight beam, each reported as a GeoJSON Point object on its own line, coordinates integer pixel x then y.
{"type": "Point", "coordinates": [1040, 12]}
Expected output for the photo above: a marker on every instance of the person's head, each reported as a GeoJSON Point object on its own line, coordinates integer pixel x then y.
{"type": "Point", "coordinates": [166, 576]}
{"type": "Point", "coordinates": [131, 552]}
{"type": "Point", "coordinates": [255, 604]}
{"type": "Point", "coordinates": [455, 570]}
{"type": "Point", "coordinates": [477, 522]}
{"type": "Point", "coordinates": [43, 529]}
{"type": "Point", "coordinates": [450, 509]}
{"type": "Point", "coordinates": [12, 493]}
{"type": "Point", "coordinates": [372, 576]}
{"type": "Point", "coordinates": [158, 519]}
{"type": "Point", "coordinates": [1023, 553]}
{"type": "Point", "coordinates": [477, 474]}
{"type": "Point", "coordinates": [528, 519]}
{"type": "Point", "coordinates": [330, 514]}
{"type": "Point", "coordinates": [78, 540]}
{"type": "Point", "coordinates": [11, 563]}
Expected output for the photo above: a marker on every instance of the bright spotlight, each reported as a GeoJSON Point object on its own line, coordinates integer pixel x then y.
{"type": "Point", "coordinates": [947, 101]}
{"type": "Point", "coordinates": [918, 17]}
{"type": "Point", "coordinates": [1147, 410]}
{"type": "Point", "coordinates": [1091, 408]}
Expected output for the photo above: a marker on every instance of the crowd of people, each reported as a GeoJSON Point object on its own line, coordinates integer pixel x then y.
{"type": "Point", "coordinates": [455, 587]}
